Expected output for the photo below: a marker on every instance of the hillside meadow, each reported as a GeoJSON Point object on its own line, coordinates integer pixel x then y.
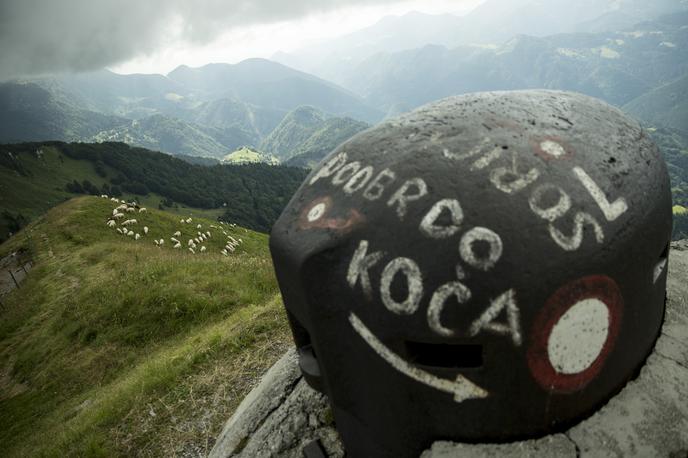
{"type": "Point", "coordinates": [115, 346]}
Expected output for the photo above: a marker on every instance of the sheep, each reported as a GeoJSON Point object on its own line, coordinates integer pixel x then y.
{"type": "Point", "coordinates": [130, 210]}
{"type": "Point", "coordinates": [142, 210]}
{"type": "Point", "coordinates": [191, 242]}
{"type": "Point", "coordinates": [196, 240]}
{"type": "Point", "coordinates": [129, 221]}
{"type": "Point", "coordinates": [172, 239]}
{"type": "Point", "coordinates": [137, 236]}
{"type": "Point", "coordinates": [122, 202]}
{"type": "Point", "coordinates": [224, 252]}
{"type": "Point", "coordinates": [213, 226]}
{"type": "Point", "coordinates": [202, 248]}
{"type": "Point", "coordinates": [177, 245]}
{"type": "Point", "coordinates": [182, 220]}
{"type": "Point", "coordinates": [145, 230]}
{"type": "Point", "coordinates": [208, 233]}
{"type": "Point", "coordinates": [156, 243]}
{"type": "Point", "coordinates": [198, 226]}
{"type": "Point", "coordinates": [188, 220]}
{"type": "Point", "coordinates": [118, 215]}
{"type": "Point", "coordinates": [192, 250]}
{"type": "Point", "coordinates": [111, 223]}
{"type": "Point", "coordinates": [115, 211]}
{"type": "Point", "coordinates": [162, 241]}
{"type": "Point", "coordinates": [177, 234]}
{"type": "Point", "coordinates": [113, 199]}
{"type": "Point", "coordinates": [232, 239]}
{"type": "Point", "coordinates": [119, 230]}
{"type": "Point", "coordinates": [104, 196]}
{"type": "Point", "coordinates": [130, 233]}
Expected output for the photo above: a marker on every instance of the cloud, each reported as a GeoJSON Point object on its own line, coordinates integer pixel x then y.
{"type": "Point", "coordinates": [49, 36]}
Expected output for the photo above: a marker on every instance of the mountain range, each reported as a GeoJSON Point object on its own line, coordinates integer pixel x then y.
{"type": "Point", "coordinates": [208, 111]}
{"type": "Point", "coordinates": [630, 53]}
{"type": "Point", "coordinates": [491, 24]}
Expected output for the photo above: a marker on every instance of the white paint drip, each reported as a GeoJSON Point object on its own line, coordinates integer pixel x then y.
{"type": "Point", "coordinates": [659, 268]}
{"type": "Point", "coordinates": [611, 211]}
{"type": "Point", "coordinates": [577, 339]}
{"type": "Point", "coordinates": [460, 273]}
{"type": "Point", "coordinates": [506, 301]}
{"type": "Point", "coordinates": [461, 388]}
{"type": "Point", "coordinates": [444, 292]}
{"type": "Point", "coordinates": [480, 234]}
{"type": "Point", "coordinates": [316, 212]}
{"type": "Point", "coordinates": [428, 226]}
{"type": "Point", "coordinates": [414, 282]}
{"type": "Point", "coordinates": [552, 148]}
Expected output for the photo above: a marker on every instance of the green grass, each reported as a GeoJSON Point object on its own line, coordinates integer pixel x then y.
{"type": "Point", "coordinates": [44, 188]}
{"type": "Point", "coordinates": [117, 347]}
{"type": "Point", "coordinates": [245, 155]}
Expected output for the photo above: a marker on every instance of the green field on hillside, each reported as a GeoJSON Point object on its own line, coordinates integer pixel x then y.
{"type": "Point", "coordinates": [44, 187]}
{"type": "Point", "coordinates": [115, 346]}
{"type": "Point", "coordinates": [37, 176]}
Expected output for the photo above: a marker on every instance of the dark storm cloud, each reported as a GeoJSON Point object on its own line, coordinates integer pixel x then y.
{"type": "Point", "coordinates": [44, 36]}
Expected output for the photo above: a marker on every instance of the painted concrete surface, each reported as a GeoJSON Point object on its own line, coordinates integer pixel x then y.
{"type": "Point", "coordinates": [649, 417]}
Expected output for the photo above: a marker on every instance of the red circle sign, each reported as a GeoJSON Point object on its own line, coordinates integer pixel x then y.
{"type": "Point", "coordinates": [574, 332]}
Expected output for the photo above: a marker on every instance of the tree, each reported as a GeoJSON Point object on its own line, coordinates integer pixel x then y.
{"type": "Point", "coordinates": [74, 187]}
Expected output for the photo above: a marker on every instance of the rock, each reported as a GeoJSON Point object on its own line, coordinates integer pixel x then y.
{"type": "Point", "coordinates": [648, 417]}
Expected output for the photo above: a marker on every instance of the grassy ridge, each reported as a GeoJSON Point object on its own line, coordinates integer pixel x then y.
{"type": "Point", "coordinates": [116, 346]}
{"type": "Point", "coordinates": [43, 186]}
{"type": "Point", "coordinates": [34, 176]}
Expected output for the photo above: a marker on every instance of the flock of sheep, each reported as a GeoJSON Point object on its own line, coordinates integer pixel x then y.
{"type": "Point", "coordinates": [193, 244]}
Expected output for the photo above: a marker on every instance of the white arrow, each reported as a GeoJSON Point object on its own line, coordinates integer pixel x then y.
{"type": "Point", "coordinates": [461, 388]}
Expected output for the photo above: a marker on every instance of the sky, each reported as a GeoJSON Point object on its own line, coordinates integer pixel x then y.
{"type": "Point", "coordinates": [155, 36]}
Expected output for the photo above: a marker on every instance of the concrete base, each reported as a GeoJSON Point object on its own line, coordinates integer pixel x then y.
{"type": "Point", "coordinates": [649, 417]}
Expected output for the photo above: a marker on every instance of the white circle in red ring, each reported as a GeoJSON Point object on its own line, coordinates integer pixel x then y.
{"type": "Point", "coordinates": [598, 287]}
{"type": "Point", "coordinates": [316, 212]}
{"type": "Point", "coordinates": [577, 339]}
{"type": "Point", "coordinates": [552, 148]}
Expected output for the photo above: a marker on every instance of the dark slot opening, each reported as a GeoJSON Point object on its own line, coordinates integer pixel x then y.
{"type": "Point", "coordinates": [445, 355]}
{"type": "Point", "coordinates": [665, 252]}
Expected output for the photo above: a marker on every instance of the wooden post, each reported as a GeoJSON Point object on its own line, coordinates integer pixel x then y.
{"type": "Point", "coordinates": [15, 280]}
